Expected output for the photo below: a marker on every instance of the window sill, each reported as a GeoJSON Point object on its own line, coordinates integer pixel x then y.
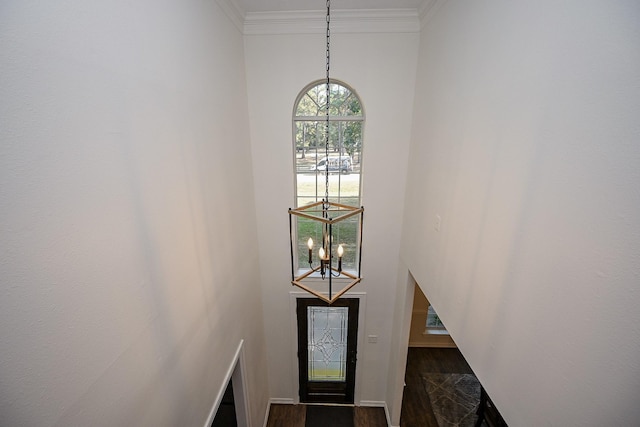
{"type": "Point", "coordinates": [435, 331]}
{"type": "Point", "coordinates": [318, 276]}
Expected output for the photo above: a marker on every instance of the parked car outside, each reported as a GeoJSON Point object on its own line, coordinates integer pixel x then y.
{"type": "Point", "coordinates": [342, 164]}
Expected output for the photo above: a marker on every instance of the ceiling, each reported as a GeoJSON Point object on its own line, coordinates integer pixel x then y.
{"type": "Point", "coordinates": [249, 6]}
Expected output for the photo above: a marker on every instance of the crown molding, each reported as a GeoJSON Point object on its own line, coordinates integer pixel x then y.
{"type": "Point", "coordinates": [342, 21]}
{"type": "Point", "coordinates": [234, 12]}
{"type": "Point", "coordinates": [428, 9]}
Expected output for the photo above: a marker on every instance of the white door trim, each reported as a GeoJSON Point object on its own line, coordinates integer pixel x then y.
{"type": "Point", "coordinates": [293, 296]}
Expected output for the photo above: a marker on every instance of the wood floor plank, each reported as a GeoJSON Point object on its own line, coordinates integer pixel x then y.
{"type": "Point", "coordinates": [287, 415]}
{"type": "Point", "coordinates": [369, 417]}
{"type": "Point", "coordinates": [295, 416]}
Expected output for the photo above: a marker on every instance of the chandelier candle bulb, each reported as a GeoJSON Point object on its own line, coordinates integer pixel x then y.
{"type": "Point", "coordinates": [322, 261]}
{"type": "Point", "coordinates": [340, 253]}
{"type": "Point", "coordinates": [310, 245]}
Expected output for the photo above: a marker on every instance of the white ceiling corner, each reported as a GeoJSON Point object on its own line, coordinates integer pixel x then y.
{"type": "Point", "coordinates": [427, 9]}
{"type": "Point", "coordinates": [234, 12]}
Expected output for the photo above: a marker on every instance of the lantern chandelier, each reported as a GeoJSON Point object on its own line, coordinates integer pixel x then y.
{"type": "Point", "coordinates": [325, 214]}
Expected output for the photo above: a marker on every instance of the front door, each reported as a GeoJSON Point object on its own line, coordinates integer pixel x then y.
{"type": "Point", "coordinates": [327, 349]}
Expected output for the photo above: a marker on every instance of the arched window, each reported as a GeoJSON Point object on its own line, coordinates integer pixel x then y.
{"type": "Point", "coordinates": [343, 164]}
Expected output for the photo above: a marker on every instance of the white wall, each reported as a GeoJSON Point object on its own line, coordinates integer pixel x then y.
{"type": "Point", "coordinates": [405, 290]}
{"type": "Point", "coordinates": [129, 274]}
{"type": "Point", "coordinates": [525, 142]}
{"type": "Point", "coordinates": [381, 68]}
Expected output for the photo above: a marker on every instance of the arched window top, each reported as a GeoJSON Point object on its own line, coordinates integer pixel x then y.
{"type": "Point", "coordinates": [312, 102]}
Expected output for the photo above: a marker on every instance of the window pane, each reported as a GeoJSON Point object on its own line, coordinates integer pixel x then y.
{"type": "Point", "coordinates": [342, 164]}
{"type": "Point", "coordinates": [308, 106]}
{"type": "Point", "coordinates": [345, 232]}
{"type": "Point", "coordinates": [308, 229]}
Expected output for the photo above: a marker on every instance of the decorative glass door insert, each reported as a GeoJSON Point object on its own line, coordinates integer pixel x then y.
{"type": "Point", "coordinates": [327, 343]}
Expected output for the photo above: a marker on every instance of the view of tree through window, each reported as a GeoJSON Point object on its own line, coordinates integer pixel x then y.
{"type": "Point", "coordinates": [343, 164]}
{"type": "Point", "coordinates": [433, 320]}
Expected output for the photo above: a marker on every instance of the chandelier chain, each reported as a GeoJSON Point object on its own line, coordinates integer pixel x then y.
{"type": "Point", "coordinates": [326, 266]}
{"type": "Point", "coordinates": [326, 148]}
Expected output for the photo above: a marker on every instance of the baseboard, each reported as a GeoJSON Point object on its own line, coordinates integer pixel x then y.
{"type": "Point", "coordinates": [373, 403]}
{"type": "Point", "coordinates": [281, 401]}
{"type": "Point", "coordinates": [431, 345]}
{"type": "Point", "coordinates": [277, 401]}
{"type": "Point", "coordinates": [386, 412]}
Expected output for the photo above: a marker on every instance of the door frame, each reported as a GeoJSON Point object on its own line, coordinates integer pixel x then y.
{"type": "Point", "coordinates": [295, 367]}
{"type": "Point", "coordinates": [339, 392]}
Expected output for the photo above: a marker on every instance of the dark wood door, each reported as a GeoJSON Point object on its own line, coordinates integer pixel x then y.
{"type": "Point", "coordinates": [327, 349]}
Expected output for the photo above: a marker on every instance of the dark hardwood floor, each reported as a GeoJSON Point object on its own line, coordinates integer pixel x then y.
{"type": "Point", "coordinates": [369, 417]}
{"type": "Point", "coordinates": [416, 408]}
{"type": "Point", "coordinates": [295, 416]}
{"type": "Point", "coordinates": [287, 416]}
